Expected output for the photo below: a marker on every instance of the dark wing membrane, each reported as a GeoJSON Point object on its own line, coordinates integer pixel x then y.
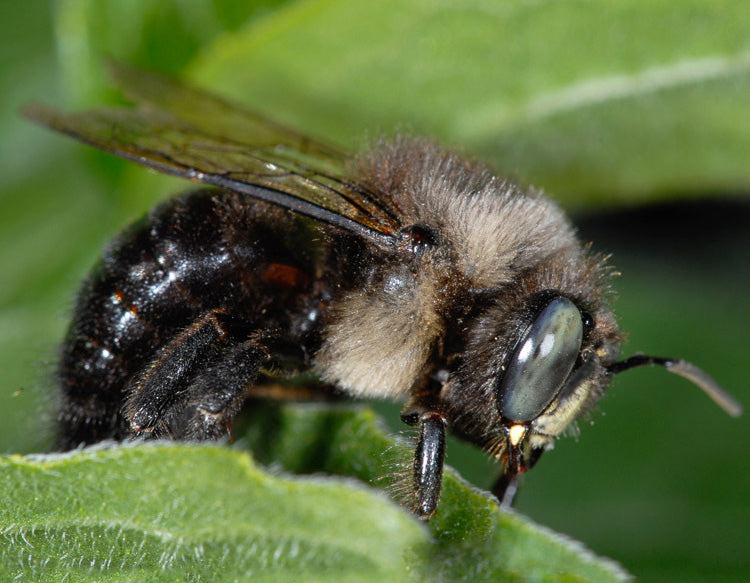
{"type": "Point", "coordinates": [212, 114]}
{"type": "Point", "coordinates": [270, 171]}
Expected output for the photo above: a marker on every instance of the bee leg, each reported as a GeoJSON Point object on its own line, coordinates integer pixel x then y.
{"type": "Point", "coordinates": [428, 463]}
{"type": "Point", "coordinates": [161, 392]}
{"type": "Point", "coordinates": [505, 488]}
{"type": "Point", "coordinates": [153, 393]}
{"type": "Point", "coordinates": [216, 395]}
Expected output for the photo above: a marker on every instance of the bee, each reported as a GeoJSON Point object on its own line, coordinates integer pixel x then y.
{"type": "Point", "coordinates": [406, 272]}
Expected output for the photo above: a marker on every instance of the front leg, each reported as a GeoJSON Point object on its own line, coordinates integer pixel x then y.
{"type": "Point", "coordinates": [429, 457]}
{"type": "Point", "coordinates": [428, 463]}
{"type": "Point", "coordinates": [506, 486]}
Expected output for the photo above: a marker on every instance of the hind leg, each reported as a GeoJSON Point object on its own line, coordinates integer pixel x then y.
{"type": "Point", "coordinates": [195, 384]}
{"type": "Point", "coordinates": [216, 395]}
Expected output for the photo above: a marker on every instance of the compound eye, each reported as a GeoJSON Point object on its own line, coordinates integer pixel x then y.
{"type": "Point", "coordinates": [542, 361]}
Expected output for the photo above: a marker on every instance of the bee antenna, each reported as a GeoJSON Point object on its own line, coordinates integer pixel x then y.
{"type": "Point", "coordinates": [687, 370]}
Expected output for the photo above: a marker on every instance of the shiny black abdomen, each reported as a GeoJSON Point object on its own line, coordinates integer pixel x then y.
{"type": "Point", "coordinates": [201, 252]}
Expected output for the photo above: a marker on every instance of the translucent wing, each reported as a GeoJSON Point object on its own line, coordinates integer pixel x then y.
{"type": "Point", "coordinates": [218, 117]}
{"type": "Point", "coordinates": [190, 133]}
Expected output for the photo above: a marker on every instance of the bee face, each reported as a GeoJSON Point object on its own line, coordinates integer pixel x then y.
{"type": "Point", "coordinates": [535, 359]}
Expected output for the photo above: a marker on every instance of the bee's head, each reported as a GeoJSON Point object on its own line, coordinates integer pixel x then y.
{"type": "Point", "coordinates": [538, 357]}
{"type": "Point", "coordinates": [535, 360]}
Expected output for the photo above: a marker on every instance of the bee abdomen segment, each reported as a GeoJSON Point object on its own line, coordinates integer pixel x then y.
{"type": "Point", "coordinates": [199, 253]}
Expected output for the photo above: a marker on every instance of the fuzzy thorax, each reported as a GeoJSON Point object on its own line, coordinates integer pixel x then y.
{"type": "Point", "coordinates": [488, 231]}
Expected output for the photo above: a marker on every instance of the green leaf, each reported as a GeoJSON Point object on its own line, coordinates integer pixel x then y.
{"type": "Point", "coordinates": [473, 539]}
{"type": "Point", "coordinates": [658, 476]}
{"type": "Point", "coordinates": [596, 102]}
{"type": "Point", "coordinates": [177, 513]}
{"type": "Point", "coordinates": [163, 35]}
{"type": "Point", "coordinates": [163, 512]}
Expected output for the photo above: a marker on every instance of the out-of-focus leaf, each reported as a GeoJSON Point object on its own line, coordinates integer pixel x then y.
{"type": "Point", "coordinates": [163, 35]}
{"type": "Point", "coordinates": [597, 102]}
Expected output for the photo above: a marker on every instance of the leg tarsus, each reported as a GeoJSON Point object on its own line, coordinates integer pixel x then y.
{"type": "Point", "coordinates": [507, 484]}
{"type": "Point", "coordinates": [216, 395]}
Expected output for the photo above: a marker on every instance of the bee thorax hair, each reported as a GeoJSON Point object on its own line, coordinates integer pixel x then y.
{"type": "Point", "coordinates": [493, 226]}
{"type": "Point", "coordinates": [488, 232]}
{"type": "Point", "coordinates": [381, 337]}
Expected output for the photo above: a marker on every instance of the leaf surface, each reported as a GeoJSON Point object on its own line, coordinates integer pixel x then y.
{"type": "Point", "coordinates": [165, 512]}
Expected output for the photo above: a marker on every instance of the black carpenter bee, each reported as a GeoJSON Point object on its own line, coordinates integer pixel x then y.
{"type": "Point", "coordinates": [406, 272]}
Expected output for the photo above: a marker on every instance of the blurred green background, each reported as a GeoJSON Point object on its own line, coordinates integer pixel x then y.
{"type": "Point", "coordinates": [635, 115]}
